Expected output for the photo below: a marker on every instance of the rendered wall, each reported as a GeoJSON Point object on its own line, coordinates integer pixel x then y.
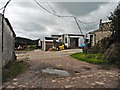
{"type": "Point", "coordinates": [8, 53]}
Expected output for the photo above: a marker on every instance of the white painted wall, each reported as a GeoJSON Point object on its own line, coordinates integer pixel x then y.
{"type": "Point", "coordinates": [80, 40]}
{"type": "Point", "coordinates": [68, 40]}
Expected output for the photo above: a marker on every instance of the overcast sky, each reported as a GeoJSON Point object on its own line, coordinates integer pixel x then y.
{"type": "Point", "coordinates": [31, 21]}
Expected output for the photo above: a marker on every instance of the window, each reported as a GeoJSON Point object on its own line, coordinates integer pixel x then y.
{"type": "Point", "coordinates": [65, 39]}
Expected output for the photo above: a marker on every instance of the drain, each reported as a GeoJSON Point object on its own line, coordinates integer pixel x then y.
{"type": "Point", "coordinates": [56, 72]}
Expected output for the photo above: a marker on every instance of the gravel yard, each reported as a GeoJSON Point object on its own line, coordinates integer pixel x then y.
{"type": "Point", "coordinates": [81, 74]}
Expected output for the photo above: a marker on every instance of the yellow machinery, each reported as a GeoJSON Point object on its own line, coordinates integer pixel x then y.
{"type": "Point", "coordinates": [61, 47]}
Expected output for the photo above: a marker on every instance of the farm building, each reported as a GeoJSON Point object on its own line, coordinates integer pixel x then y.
{"type": "Point", "coordinates": [48, 43]}
{"type": "Point", "coordinates": [7, 41]}
{"type": "Point", "coordinates": [69, 40]}
{"type": "Point", "coordinates": [73, 40]}
{"type": "Point", "coordinates": [96, 36]}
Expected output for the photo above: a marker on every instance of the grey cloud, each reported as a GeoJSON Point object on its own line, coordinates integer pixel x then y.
{"type": "Point", "coordinates": [31, 21]}
{"type": "Point", "coordinates": [60, 29]}
{"type": "Point", "coordinates": [30, 27]}
{"type": "Point", "coordinates": [45, 20]}
{"type": "Point", "coordinates": [35, 34]}
{"type": "Point", "coordinates": [87, 28]}
{"type": "Point", "coordinates": [24, 4]}
{"type": "Point", "coordinates": [79, 8]}
{"type": "Point", "coordinates": [33, 27]}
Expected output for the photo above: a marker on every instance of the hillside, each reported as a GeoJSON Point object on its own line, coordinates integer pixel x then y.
{"type": "Point", "coordinates": [24, 41]}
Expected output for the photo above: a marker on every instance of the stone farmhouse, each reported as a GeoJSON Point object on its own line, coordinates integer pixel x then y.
{"type": "Point", "coordinates": [96, 36]}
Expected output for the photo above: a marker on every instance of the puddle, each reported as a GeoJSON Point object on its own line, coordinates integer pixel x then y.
{"type": "Point", "coordinates": [56, 71]}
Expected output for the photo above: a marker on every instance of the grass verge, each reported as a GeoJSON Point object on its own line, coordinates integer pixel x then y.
{"type": "Point", "coordinates": [13, 69]}
{"type": "Point", "coordinates": [90, 58]}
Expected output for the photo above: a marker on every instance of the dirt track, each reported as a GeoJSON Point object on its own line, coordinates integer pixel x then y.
{"type": "Point", "coordinates": [82, 74]}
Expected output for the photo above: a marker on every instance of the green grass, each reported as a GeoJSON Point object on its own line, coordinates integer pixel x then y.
{"type": "Point", "coordinates": [12, 70]}
{"type": "Point", "coordinates": [90, 58]}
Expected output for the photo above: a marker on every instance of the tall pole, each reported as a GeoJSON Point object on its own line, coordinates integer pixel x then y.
{"type": "Point", "coordinates": [81, 33]}
{"type": "Point", "coordinates": [2, 28]}
{"type": "Point", "coordinates": [78, 25]}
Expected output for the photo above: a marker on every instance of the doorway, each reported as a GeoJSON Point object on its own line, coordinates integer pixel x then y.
{"type": "Point", "coordinates": [74, 43]}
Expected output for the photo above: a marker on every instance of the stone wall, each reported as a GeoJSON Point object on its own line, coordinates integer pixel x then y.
{"type": "Point", "coordinates": [103, 31]}
{"type": "Point", "coordinates": [101, 35]}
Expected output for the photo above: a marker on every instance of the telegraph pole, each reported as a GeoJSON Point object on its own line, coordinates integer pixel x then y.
{"type": "Point", "coordinates": [78, 25]}
{"type": "Point", "coordinates": [2, 35]}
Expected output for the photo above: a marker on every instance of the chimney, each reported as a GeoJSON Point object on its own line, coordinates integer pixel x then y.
{"type": "Point", "coordinates": [100, 24]}
{"type": "Point", "coordinates": [100, 21]}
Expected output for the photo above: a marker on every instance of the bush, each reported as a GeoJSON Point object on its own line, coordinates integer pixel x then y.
{"type": "Point", "coordinates": [113, 54]}
{"type": "Point", "coordinates": [95, 49]}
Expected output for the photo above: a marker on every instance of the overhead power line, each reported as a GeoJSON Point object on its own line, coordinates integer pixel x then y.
{"type": "Point", "coordinates": [5, 5]}
{"type": "Point", "coordinates": [1, 8]}
{"type": "Point", "coordinates": [51, 7]}
{"type": "Point", "coordinates": [62, 17]}
{"type": "Point", "coordinates": [73, 17]}
{"type": "Point", "coordinates": [45, 8]}
{"type": "Point", "coordinates": [55, 14]}
{"type": "Point", "coordinates": [50, 11]}
{"type": "Point", "coordinates": [86, 22]}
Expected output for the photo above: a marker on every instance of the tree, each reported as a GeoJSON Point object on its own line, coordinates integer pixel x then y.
{"type": "Point", "coordinates": [113, 51]}
{"type": "Point", "coordinates": [115, 17]}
